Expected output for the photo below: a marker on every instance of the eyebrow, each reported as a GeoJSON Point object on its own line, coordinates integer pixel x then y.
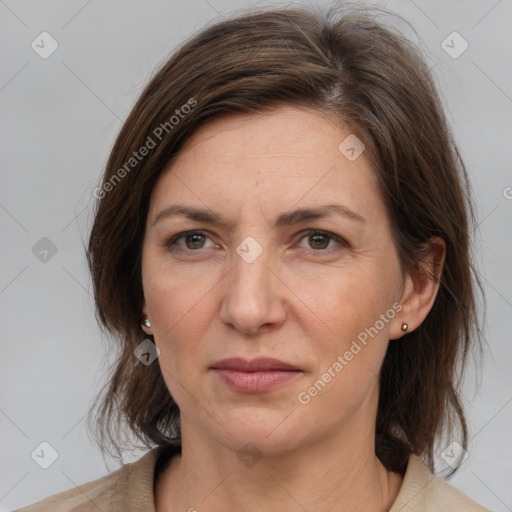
{"type": "Point", "coordinates": [285, 219]}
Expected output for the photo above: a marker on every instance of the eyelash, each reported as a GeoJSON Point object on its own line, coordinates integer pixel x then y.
{"type": "Point", "coordinates": [172, 241]}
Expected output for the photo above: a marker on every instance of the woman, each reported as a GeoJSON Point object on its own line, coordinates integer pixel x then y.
{"type": "Point", "coordinates": [282, 248]}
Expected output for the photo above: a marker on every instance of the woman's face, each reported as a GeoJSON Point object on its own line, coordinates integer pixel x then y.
{"type": "Point", "coordinates": [265, 285]}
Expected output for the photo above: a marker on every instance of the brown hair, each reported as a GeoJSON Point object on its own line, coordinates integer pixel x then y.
{"type": "Point", "coordinates": [349, 67]}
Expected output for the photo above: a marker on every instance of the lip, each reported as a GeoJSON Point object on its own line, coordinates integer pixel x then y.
{"type": "Point", "coordinates": [255, 376]}
{"type": "Point", "coordinates": [254, 365]}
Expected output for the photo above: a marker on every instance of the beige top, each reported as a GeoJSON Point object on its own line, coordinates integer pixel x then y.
{"type": "Point", "coordinates": [131, 488]}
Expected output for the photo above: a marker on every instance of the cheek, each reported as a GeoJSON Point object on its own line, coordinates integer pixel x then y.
{"type": "Point", "coordinates": [179, 311]}
{"type": "Point", "coordinates": [348, 349]}
{"type": "Point", "coordinates": [348, 315]}
{"type": "Point", "coordinates": [342, 303]}
{"type": "Point", "coordinates": [179, 320]}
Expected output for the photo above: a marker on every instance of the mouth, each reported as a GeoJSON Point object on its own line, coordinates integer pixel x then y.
{"type": "Point", "coordinates": [255, 376]}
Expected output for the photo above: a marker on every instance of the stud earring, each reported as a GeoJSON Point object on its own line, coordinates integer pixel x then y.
{"type": "Point", "coordinates": [146, 322]}
{"type": "Point", "coordinates": [404, 326]}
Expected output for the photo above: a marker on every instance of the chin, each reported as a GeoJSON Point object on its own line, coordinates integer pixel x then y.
{"type": "Point", "coordinates": [263, 429]}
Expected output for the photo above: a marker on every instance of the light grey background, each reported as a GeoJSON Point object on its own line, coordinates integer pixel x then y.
{"type": "Point", "coordinates": [59, 117]}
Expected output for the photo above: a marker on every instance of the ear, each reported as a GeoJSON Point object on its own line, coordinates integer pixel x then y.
{"type": "Point", "coordinates": [420, 289]}
{"type": "Point", "coordinates": [147, 330]}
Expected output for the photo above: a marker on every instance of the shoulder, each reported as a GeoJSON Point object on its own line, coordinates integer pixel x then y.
{"type": "Point", "coordinates": [131, 484]}
{"type": "Point", "coordinates": [425, 492]}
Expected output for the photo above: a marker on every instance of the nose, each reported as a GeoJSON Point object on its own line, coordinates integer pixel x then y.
{"type": "Point", "coordinates": [253, 298]}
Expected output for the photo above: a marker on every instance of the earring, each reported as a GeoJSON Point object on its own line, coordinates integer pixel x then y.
{"type": "Point", "coordinates": [404, 326]}
{"type": "Point", "coordinates": [146, 322]}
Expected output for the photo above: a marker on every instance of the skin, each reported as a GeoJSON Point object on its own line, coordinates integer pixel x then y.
{"type": "Point", "coordinates": [303, 300]}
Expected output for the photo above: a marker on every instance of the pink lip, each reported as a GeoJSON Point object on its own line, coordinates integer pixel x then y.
{"type": "Point", "coordinates": [258, 375]}
{"type": "Point", "coordinates": [255, 365]}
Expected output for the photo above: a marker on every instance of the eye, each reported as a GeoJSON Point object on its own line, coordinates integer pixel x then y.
{"type": "Point", "coordinates": [319, 241]}
{"type": "Point", "coordinates": [192, 240]}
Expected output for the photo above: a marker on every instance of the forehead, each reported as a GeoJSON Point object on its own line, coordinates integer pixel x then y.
{"type": "Point", "coordinates": [274, 158]}
{"type": "Point", "coordinates": [282, 133]}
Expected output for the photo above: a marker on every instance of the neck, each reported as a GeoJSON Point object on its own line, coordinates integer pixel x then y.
{"type": "Point", "coordinates": [316, 477]}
